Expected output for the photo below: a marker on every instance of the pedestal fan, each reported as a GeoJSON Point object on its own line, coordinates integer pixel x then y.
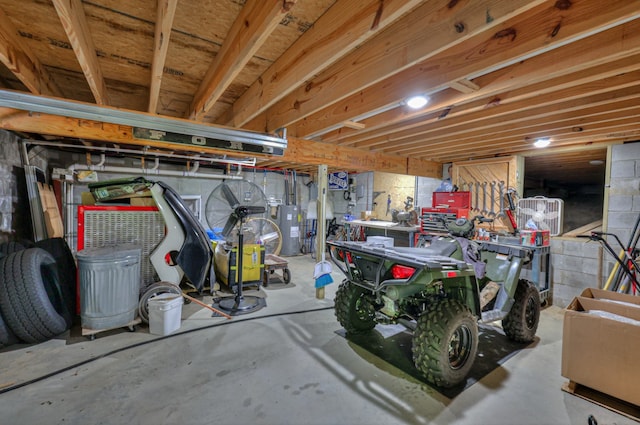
{"type": "Point", "coordinates": [227, 210]}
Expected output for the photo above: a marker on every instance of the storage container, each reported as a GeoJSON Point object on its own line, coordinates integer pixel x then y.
{"type": "Point", "coordinates": [384, 241]}
{"type": "Point", "coordinates": [165, 313]}
{"type": "Point", "coordinates": [109, 286]}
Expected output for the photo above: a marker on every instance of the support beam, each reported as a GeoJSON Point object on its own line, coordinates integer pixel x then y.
{"type": "Point", "coordinates": [24, 64]}
{"type": "Point", "coordinates": [164, 23]}
{"type": "Point", "coordinates": [74, 21]}
{"type": "Point", "coordinates": [252, 27]}
{"type": "Point", "coordinates": [298, 152]}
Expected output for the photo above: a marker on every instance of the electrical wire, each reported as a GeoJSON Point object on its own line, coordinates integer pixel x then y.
{"type": "Point", "coordinates": [142, 343]}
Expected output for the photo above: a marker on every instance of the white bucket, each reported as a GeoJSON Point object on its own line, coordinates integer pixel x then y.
{"type": "Point", "coordinates": [165, 313]}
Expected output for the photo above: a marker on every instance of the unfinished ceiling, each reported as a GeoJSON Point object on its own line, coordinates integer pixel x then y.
{"type": "Point", "coordinates": [336, 73]}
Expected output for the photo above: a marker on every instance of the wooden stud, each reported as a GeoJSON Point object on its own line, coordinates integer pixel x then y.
{"type": "Point", "coordinates": [257, 20]}
{"type": "Point", "coordinates": [164, 22]}
{"type": "Point", "coordinates": [24, 64]}
{"type": "Point", "coordinates": [74, 21]}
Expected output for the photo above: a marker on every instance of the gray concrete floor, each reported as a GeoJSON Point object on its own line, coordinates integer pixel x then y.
{"type": "Point", "coordinates": [285, 364]}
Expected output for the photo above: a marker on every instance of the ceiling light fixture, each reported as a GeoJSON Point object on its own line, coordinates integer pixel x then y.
{"type": "Point", "coordinates": [417, 102]}
{"type": "Point", "coordinates": [596, 162]}
{"type": "Point", "coordinates": [542, 143]}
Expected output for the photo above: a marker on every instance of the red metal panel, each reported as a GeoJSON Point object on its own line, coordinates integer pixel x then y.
{"type": "Point", "coordinates": [451, 199]}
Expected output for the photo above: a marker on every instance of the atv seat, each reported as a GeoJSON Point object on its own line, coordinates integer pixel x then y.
{"type": "Point", "coordinates": [439, 247]}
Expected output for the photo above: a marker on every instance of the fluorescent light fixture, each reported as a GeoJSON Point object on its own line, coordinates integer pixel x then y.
{"type": "Point", "coordinates": [417, 102]}
{"type": "Point", "coordinates": [542, 143]}
{"type": "Point", "coordinates": [596, 162]}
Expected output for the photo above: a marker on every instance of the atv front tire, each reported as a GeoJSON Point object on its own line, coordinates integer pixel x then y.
{"type": "Point", "coordinates": [522, 321]}
{"type": "Point", "coordinates": [354, 308]}
{"type": "Point", "coordinates": [445, 343]}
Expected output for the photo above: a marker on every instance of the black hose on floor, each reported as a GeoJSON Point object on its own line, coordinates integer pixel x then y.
{"type": "Point", "coordinates": [139, 344]}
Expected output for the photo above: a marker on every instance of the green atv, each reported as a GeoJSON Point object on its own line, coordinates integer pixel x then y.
{"type": "Point", "coordinates": [440, 292]}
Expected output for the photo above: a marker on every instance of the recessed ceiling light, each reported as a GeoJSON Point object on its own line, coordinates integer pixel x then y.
{"type": "Point", "coordinates": [596, 162]}
{"type": "Point", "coordinates": [542, 143]}
{"type": "Point", "coordinates": [416, 102]}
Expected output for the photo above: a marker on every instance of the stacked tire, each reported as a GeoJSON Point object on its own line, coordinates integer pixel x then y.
{"type": "Point", "coordinates": [37, 291]}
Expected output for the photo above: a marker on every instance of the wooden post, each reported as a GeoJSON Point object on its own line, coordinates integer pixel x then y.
{"type": "Point", "coordinates": [321, 232]}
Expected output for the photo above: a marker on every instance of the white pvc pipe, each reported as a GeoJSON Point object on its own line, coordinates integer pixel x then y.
{"type": "Point", "coordinates": [151, 171]}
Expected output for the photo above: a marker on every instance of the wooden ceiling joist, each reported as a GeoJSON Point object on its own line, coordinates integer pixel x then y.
{"type": "Point", "coordinates": [613, 51]}
{"type": "Point", "coordinates": [164, 23]}
{"type": "Point", "coordinates": [24, 64]}
{"type": "Point", "coordinates": [74, 21]}
{"type": "Point", "coordinates": [394, 50]}
{"type": "Point", "coordinates": [492, 50]}
{"type": "Point", "coordinates": [257, 20]}
{"type": "Point", "coordinates": [318, 48]}
{"type": "Point", "coordinates": [620, 88]}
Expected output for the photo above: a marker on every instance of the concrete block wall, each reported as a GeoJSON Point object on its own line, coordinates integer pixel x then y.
{"type": "Point", "coordinates": [9, 158]}
{"type": "Point", "coordinates": [624, 191]}
{"type": "Point", "coordinates": [576, 264]}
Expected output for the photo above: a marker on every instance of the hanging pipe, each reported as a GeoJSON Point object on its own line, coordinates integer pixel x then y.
{"type": "Point", "coordinates": [150, 171]}
{"type": "Point", "coordinates": [144, 152]}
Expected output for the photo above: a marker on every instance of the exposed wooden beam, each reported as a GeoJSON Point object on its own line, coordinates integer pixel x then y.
{"type": "Point", "coordinates": [559, 68]}
{"type": "Point", "coordinates": [523, 37]}
{"type": "Point", "coordinates": [522, 140]}
{"type": "Point", "coordinates": [465, 86]}
{"type": "Point", "coordinates": [74, 21]}
{"type": "Point", "coordinates": [353, 124]}
{"type": "Point", "coordinates": [298, 152]}
{"type": "Point", "coordinates": [24, 64]}
{"type": "Point", "coordinates": [252, 27]}
{"type": "Point", "coordinates": [344, 26]}
{"type": "Point", "coordinates": [164, 23]}
{"type": "Point", "coordinates": [613, 89]}
{"type": "Point", "coordinates": [428, 30]}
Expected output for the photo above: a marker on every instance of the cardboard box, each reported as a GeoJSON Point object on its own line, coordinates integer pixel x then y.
{"type": "Point", "coordinates": [86, 198]}
{"type": "Point", "coordinates": [142, 202]}
{"type": "Point", "coordinates": [601, 342]}
{"type": "Point", "coordinates": [535, 237]}
{"type": "Point", "coordinates": [368, 215]}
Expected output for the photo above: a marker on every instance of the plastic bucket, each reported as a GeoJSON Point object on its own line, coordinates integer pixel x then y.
{"type": "Point", "coordinates": [165, 313]}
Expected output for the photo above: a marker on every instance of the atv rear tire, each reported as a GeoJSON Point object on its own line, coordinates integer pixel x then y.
{"type": "Point", "coordinates": [31, 298]}
{"type": "Point", "coordinates": [521, 323]}
{"type": "Point", "coordinates": [355, 308]}
{"type": "Point", "coordinates": [445, 343]}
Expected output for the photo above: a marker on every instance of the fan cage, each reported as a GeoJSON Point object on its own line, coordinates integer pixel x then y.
{"type": "Point", "coordinates": [526, 208]}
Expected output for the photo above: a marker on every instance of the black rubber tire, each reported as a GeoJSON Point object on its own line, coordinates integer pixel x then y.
{"type": "Point", "coordinates": [10, 247]}
{"type": "Point", "coordinates": [355, 308]}
{"type": "Point", "coordinates": [67, 272]}
{"type": "Point", "coordinates": [286, 276]}
{"type": "Point", "coordinates": [521, 323]}
{"type": "Point", "coordinates": [31, 298]}
{"type": "Point", "coordinates": [153, 290]}
{"type": "Point", "coordinates": [7, 337]}
{"type": "Point", "coordinates": [445, 343]}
